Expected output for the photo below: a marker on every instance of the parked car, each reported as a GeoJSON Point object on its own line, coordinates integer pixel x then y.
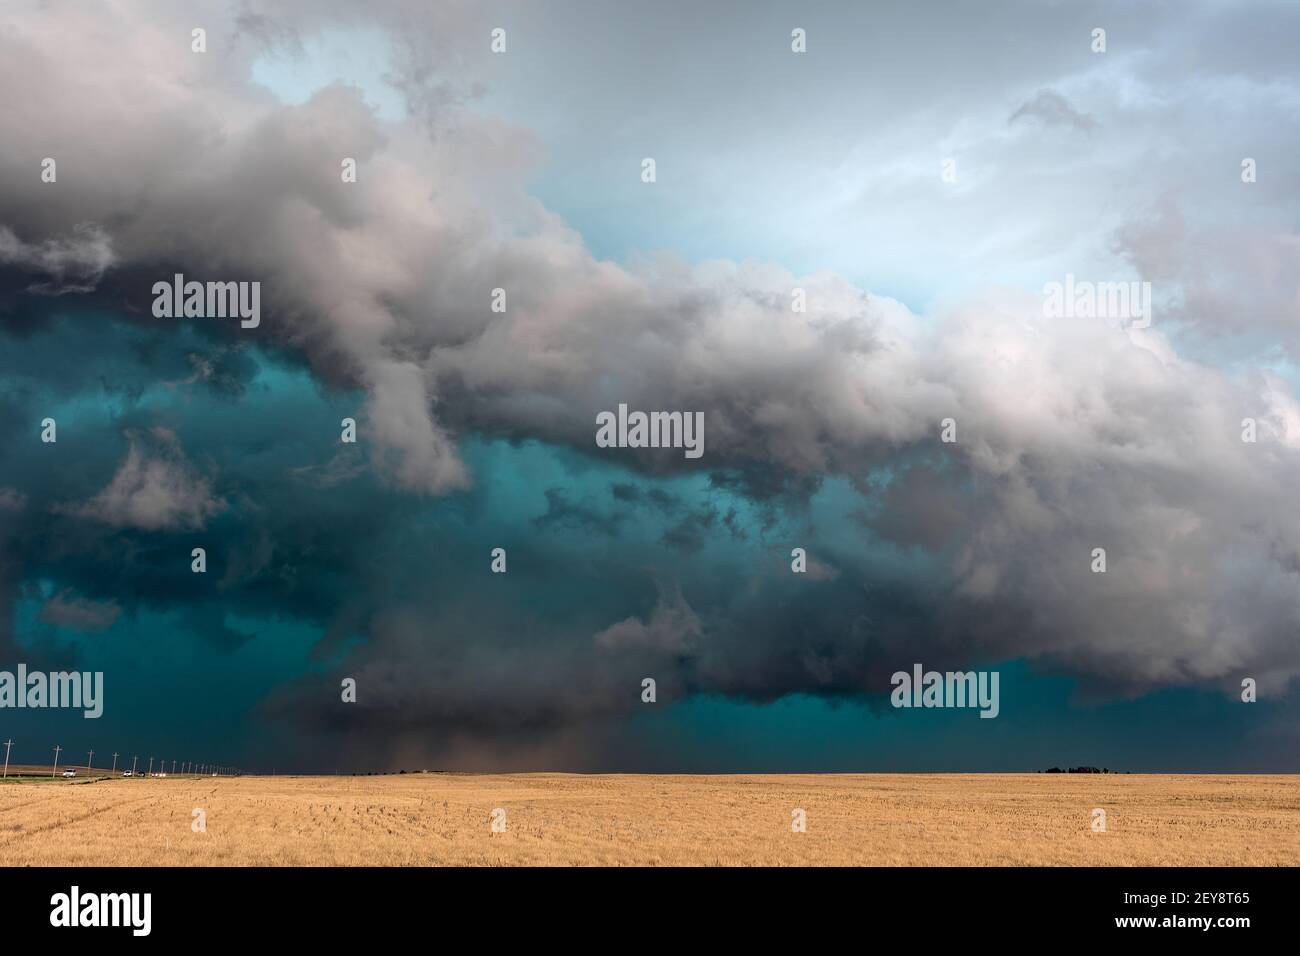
{"type": "Point", "coordinates": [69, 772]}
{"type": "Point", "coordinates": [126, 773]}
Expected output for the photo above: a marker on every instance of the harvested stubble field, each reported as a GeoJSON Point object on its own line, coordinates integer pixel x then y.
{"type": "Point", "coordinates": [567, 819]}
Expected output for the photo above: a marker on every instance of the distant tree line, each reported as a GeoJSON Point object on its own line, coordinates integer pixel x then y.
{"type": "Point", "coordinates": [1079, 770]}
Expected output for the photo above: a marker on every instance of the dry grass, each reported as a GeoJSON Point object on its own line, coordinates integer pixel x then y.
{"type": "Point", "coordinates": [563, 819]}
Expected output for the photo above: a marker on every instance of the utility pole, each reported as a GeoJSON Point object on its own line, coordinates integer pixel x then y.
{"type": "Point", "coordinates": [56, 762]}
{"type": "Point", "coordinates": [133, 760]}
{"type": "Point", "coordinates": [8, 744]}
{"type": "Point", "coordinates": [150, 773]}
{"type": "Point", "coordinates": [90, 759]}
{"type": "Point", "coordinates": [114, 770]}
{"type": "Point", "coordinates": [173, 767]}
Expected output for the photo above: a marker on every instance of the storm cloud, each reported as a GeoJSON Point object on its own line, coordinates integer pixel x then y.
{"type": "Point", "coordinates": [823, 426]}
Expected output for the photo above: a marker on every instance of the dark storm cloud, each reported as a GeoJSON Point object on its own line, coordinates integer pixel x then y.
{"type": "Point", "coordinates": [574, 516]}
{"type": "Point", "coordinates": [630, 493]}
{"type": "Point", "coordinates": [1071, 434]}
{"type": "Point", "coordinates": [112, 510]}
{"type": "Point", "coordinates": [73, 263]}
{"type": "Point", "coordinates": [692, 531]}
{"type": "Point", "coordinates": [920, 509]}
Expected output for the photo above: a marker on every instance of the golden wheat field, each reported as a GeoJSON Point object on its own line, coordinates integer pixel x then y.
{"type": "Point", "coordinates": [571, 819]}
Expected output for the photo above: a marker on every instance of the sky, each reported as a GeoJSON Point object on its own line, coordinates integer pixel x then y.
{"type": "Point", "coordinates": [917, 176]}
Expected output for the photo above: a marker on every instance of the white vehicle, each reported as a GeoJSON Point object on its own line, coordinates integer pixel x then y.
{"type": "Point", "coordinates": [69, 772]}
{"type": "Point", "coordinates": [126, 773]}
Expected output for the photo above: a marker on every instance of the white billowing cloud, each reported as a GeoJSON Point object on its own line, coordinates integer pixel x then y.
{"type": "Point", "coordinates": [155, 488]}
{"type": "Point", "coordinates": [397, 418]}
{"type": "Point", "coordinates": [1233, 290]}
{"type": "Point", "coordinates": [1078, 436]}
{"type": "Point", "coordinates": [672, 628]}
